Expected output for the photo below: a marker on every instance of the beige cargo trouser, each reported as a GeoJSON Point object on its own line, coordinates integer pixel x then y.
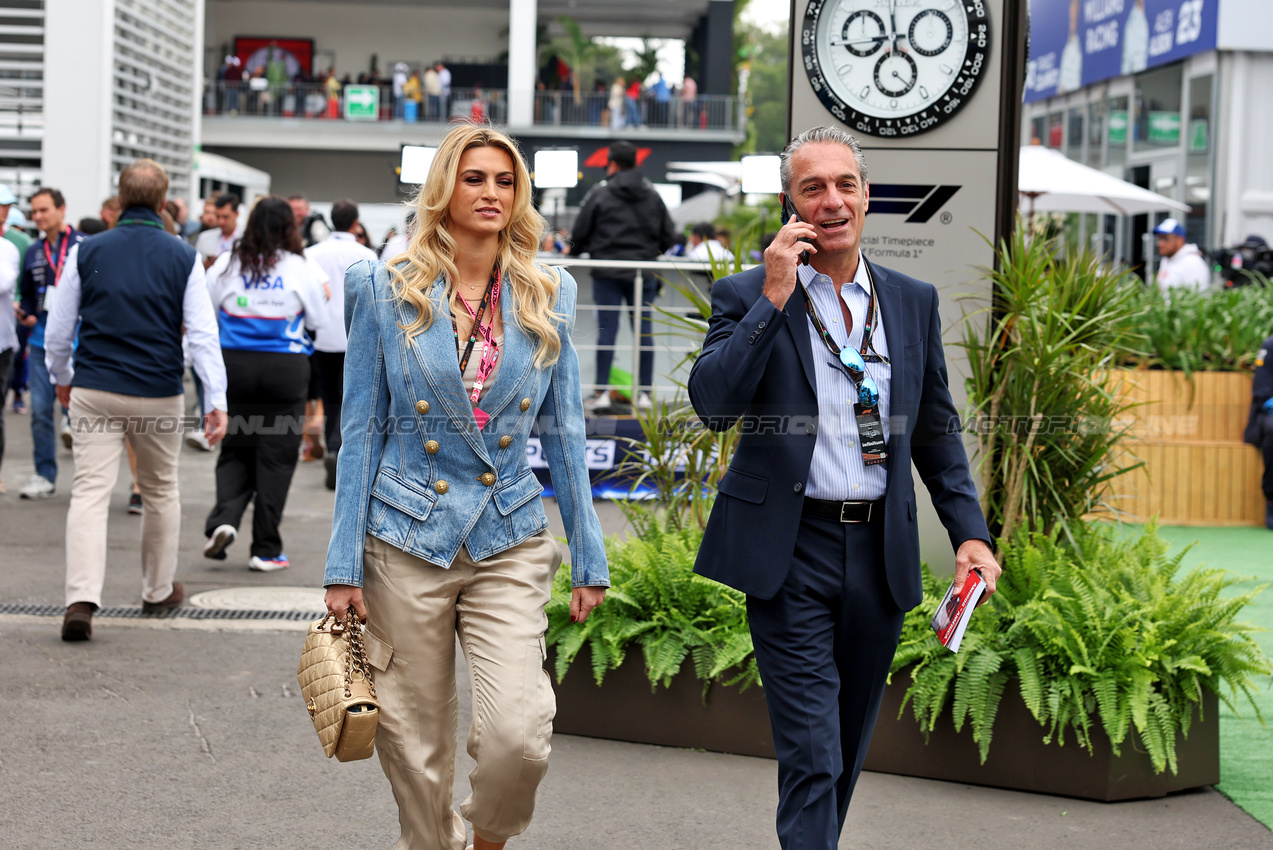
{"type": "Point", "coordinates": [496, 606]}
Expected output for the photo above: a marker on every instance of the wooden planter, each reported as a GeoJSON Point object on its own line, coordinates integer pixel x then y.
{"type": "Point", "coordinates": [734, 721]}
{"type": "Point", "coordinates": [1188, 433]}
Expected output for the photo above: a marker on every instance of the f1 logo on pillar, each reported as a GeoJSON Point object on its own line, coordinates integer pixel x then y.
{"type": "Point", "coordinates": [918, 203]}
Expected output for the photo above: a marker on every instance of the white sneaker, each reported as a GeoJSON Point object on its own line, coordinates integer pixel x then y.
{"type": "Point", "coordinates": [597, 404]}
{"type": "Point", "coordinates": [218, 541]}
{"type": "Point", "coordinates": [38, 487]}
{"type": "Point", "coordinates": [268, 565]}
{"type": "Point", "coordinates": [67, 437]}
{"type": "Point", "coordinates": [198, 440]}
{"type": "Point", "coordinates": [644, 402]}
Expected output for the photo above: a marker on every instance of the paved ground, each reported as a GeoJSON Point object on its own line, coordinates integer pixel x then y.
{"type": "Point", "coordinates": [188, 734]}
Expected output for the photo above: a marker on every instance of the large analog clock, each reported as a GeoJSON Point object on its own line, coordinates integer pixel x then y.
{"type": "Point", "coordinates": [895, 68]}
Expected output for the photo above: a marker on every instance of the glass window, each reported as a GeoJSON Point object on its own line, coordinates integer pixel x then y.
{"type": "Point", "coordinates": [1074, 134]}
{"type": "Point", "coordinates": [1095, 132]}
{"type": "Point", "coordinates": [1198, 145]}
{"type": "Point", "coordinates": [1117, 121]}
{"type": "Point", "coordinates": [1056, 130]}
{"type": "Point", "coordinates": [1158, 123]}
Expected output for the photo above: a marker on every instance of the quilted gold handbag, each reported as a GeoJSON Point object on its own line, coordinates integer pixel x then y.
{"type": "Point", "coordinates": [336, 684]}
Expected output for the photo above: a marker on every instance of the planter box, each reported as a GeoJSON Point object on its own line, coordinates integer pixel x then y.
{"type": "Point", "coordinates": [624, 709]}
{"type": "Point", "coordinates": [734, 721]}
{"type": "Point", "coordinates": [1188, 433]}
{"type": "Point", "coordinates": [1020, 760]}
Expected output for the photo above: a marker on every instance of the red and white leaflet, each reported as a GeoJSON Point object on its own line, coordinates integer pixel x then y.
{"type": "Point", "coordinates": [951, 620]}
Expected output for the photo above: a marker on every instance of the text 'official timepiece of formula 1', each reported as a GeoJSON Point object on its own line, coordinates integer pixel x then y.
{"type": "Point", "coordinates": [895, 68]}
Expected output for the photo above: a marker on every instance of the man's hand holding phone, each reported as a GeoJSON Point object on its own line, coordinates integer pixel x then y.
{"type": "Point", "coordinates": [785, 254]}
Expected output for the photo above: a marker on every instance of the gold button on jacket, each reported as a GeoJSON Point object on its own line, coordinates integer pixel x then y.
{"type": "Point", "coordinates": [487, 478]}
{"type": "Point", "coordinates": [505, 441]}
{"type": "Point", "coordinates": [422, 407]}
{"type": "Point", "coordinates": [432, 447]}
{"type": "Point", "coordinates": [441, 487]}
{"type": "Point", "coordinates": [525, 405]}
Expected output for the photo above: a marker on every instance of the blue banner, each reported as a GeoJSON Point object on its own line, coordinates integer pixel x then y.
{"type": "Point", "coordinates": [1074, 43]}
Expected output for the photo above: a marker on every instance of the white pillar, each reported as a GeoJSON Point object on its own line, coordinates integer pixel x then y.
{"type": "Point", "coordinates": [523, 16]}
{"type": "Point", "coordinates": [78, 81]}
{"type": "Point", "coordinates": [196, 124]}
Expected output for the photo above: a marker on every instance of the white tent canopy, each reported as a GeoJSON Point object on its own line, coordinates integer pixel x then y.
{"type": "Point", "coordinates": [1049, 181]}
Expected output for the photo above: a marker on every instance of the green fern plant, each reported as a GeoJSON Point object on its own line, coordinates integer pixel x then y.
{"type": "Point", "coordinates": [658, 604]}
{"type": "Point", "coordinates": [1102, 635]}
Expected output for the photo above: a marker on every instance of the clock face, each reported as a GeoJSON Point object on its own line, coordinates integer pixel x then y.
{"type": "Point", "coordinates": [895, 68]}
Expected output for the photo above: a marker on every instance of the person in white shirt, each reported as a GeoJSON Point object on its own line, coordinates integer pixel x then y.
{"type": "Point", "coordinates": [1136, 40]}
{"type": "Point", "coordinates": [703, 245]}
{"type": "Point", "coordinates": [219, 240]}
{"type": "Point", "coordinates": [397, 243]}
{"type": "Point", "coordinates": [10, 269]}
{"type": "Point", "coordinates": [1072, 56]}
{"type": "Point", "coordinates": [334, 255]}
{"type": "Point", "coordinates": [1182, 265]}
{"type": "Point", "coordinates": [268, 299]}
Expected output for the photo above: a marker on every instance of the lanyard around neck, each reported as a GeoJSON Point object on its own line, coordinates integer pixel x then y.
{"type": "Point", "coordinates": [64, 242]}
{"type": "Point", "coordinates": [491, 296]}
{"type": "Point", "coordinates": [871, 315]}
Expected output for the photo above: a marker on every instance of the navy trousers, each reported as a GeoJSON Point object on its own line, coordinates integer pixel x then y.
{"type": "Point", "coordinates": [824, 644]}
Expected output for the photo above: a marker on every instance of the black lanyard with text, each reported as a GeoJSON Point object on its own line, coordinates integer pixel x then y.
{"type": "Point", "coordinates": [477, 322]}
{"type": "Point", "coordinates": [871, 313]}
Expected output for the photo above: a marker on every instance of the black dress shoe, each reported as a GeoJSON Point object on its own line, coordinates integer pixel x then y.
{"type": "Point", "coordinates": [77, 623]}
{"type": "Point", "coordinates": [174, 599]}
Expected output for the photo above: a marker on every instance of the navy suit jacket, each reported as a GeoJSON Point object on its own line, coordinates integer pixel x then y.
{"type": "Point", "coordinates": [757, 363]}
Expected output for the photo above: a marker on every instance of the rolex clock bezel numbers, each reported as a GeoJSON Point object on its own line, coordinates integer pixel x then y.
{"type": "Point", "coordinates": [895, 68]}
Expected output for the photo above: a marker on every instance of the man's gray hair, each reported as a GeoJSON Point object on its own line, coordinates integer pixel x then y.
{"type": "Point", "coordinates": [813, 135]}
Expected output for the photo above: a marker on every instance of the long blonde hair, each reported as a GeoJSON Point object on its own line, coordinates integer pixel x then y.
{"type": "Point", "coordinates": [431, 250]}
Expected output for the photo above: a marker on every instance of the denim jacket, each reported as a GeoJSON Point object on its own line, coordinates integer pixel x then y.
{"type": "Point", "coordinates": [414, 469]}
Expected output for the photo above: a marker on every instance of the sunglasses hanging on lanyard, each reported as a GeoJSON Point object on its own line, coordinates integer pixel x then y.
{"type": "Point", "coordinates": [866, 411]}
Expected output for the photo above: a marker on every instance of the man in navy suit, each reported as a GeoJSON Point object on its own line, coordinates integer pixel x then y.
{"type": "Point", "coordinates": [835, 367]}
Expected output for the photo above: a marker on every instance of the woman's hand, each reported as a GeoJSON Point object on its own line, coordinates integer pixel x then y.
{"type": "Point", "coordinates": [583, 600]}
{"type": "Point", "coordinates": [340, 597]}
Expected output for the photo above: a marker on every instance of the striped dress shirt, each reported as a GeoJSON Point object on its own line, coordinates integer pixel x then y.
{"type": "Point", "coordinates": [837, 472]}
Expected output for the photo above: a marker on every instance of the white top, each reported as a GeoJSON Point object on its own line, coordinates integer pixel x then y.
{"type": "Point", "coordinates": [1135, 41]}
{"type": "Point", "coordinates": [334, 255]}
{"type": "Point", "coordinates": [396, 245]}
{"type": "Point", "coordinates": [710, 248]}
{"type": "Point", "coordinates": [837, 472]}
{"type": "Point", "coordinates": [10, 268]}
{"type": "Point", "coordinates": [1071, 67]}
{"type": "Point", "coordinates": [272, 311]}
{"type": "Point", "coordinates": [1185, 269]}
{"type": "Point", "coordinates": [213, 243]}
{"type": "Point", "coordinates": [202, 338]}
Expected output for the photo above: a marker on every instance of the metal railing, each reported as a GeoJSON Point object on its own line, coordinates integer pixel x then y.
{"type": "Point", "coordinates": [259, 97]}
{"type": "Point", "coordinates": [592, 109]}
{"type": "Point", "coordinates": [672, 270]}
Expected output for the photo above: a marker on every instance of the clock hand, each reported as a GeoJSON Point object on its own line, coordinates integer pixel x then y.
{"type": "Point", "coordinates": [892, 22]}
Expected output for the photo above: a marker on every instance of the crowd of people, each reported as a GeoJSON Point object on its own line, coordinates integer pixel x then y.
{"type": "Point", "coordinates": [252, 304]}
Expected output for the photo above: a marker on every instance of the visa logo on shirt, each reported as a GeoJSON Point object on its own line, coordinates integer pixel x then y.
{"type": "Point", "coordinates": [263, 282]}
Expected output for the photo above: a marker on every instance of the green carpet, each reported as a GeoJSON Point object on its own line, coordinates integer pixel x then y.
{"type": "Point", "coordinates": [1246, 747]}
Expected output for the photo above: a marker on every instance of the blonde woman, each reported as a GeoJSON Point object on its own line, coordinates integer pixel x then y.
{"type": "Point", "coordinates": [456, 348]}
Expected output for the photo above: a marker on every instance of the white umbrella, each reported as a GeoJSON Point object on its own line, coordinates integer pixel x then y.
{"type": "Point", "coordinates": [1049, 181]}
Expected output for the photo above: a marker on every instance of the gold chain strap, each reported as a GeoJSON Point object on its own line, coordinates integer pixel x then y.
{"type": "Point", "coordinates": [356, 656]}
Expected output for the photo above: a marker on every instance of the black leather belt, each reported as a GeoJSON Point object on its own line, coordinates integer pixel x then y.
{"type": "Point", "coordinates": [844, 511]}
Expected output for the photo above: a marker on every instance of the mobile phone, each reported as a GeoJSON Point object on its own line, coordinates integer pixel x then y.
{"type": "Point", "coordinates": [789, 212]}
